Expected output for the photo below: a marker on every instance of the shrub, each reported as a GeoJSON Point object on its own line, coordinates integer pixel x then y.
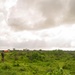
{"type": "Point", "coordinates": [6, 66]}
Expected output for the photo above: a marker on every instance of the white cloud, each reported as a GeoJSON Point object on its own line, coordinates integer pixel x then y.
{"type": "Point", "coordinates": [41, 14]}
{"type": "Point", "coordinates": [37, 24]}
{"type": "Point", "coordinates": [34, 15]}
{"type": "Point", "coordinates": [45, 39]}
{"type": "Point", "coordinates": [9, 3]}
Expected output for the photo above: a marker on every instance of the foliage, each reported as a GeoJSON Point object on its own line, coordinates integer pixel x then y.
{"type": "Point", "coordinates": [55, 62]}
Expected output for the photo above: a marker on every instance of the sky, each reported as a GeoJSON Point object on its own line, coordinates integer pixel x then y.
{"type": "Point", "coordinates": [37, 24]}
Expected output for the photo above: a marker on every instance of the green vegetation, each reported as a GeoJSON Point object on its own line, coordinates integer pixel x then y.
{"type": "Point", "coordinates": [56, 62]}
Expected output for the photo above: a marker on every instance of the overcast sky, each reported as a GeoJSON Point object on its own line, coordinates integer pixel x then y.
{"type": "Point", "coordinates": [37, 24]}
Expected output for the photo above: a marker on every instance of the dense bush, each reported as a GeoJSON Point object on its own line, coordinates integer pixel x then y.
{"type": "Point", "coordinates": [40, 62]}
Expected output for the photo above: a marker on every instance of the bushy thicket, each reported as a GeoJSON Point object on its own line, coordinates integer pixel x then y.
{"type": "Point", "coordinates": [56, 62]}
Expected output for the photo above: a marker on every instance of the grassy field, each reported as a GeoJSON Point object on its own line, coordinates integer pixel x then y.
{"type": "Point", "coordinates": [56, 62]}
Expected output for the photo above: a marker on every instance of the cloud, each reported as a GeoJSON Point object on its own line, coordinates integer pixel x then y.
{"type": "Point", "coordinates": [53, 22]}
{"type": "Point", "coordinates": [70, 16]}
{"type": "Point", "coordinates": [36, 14]}
{"type": "Point", "coordinates": [25, 17]}
{"type": "Point", "coordinates": [2, 4]}
{"type": "Point", "coordinates": [31, 44]}
{"type": "Point", "coordinates": [58, 37]}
